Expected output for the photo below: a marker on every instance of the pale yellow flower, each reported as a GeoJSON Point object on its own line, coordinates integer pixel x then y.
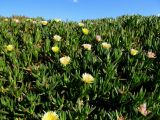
{"type": "Point", "coordinates": [28, 19]}
{"type": "Point", "coordinates": [55, 49]}
{"type": "Point", "coordinates": [5, 19]}
{"type": "Point", "coordinates": [65, 60]}
{"type": "Point", "coordinates": [34, 22]}
{"type": "Point", "coordinates": [87, 78]}
{"type": "Point", "coordinates": [143, 109]}
{"type": "Point", "coordinates": [16, 20]}
{"type": "Point", "coordinates": [121, 118]}
{"type": "Point", "coordinates": [81, 24]}
{"type": "Point", "coordinates": [98, 38]}
{"type": "Point", "coordinates": [85, 31]}
{"type": "Point", "coordinates": [151, 55]}
{"type": "Point", "coordinates": [106, 45]}
{"type": "Point", "coordinates": [9, 48]}
{"type": "Point", "coordinates": [57, 20]}
{"type": "Point", "coordinates": [50, 116]}
{"type": "Point", "coordinates": [57, 38]}
{"type": "Point", "coordinates": [87, 46]}
{"type": "Point", "coordinates": [134, 52]}
{"type": "Point", "coordinates": [3, 90]}
{"type": "Point", "coordinates": [80, 102]}
{"type": "Point", "coordinates": [44, 22]}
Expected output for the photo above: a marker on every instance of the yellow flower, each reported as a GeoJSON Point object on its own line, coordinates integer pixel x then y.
{"type": "Point", "coordinates": [44, 22]}
{"type": "Point", "coordinates": [87, 78]}
{"type": "Point", "coordinates": [98, 38]}
{"type": "Point", "coordinates": [65, 60]}
{"type": "Point", "coordinates": [50, 116]}
{"type": "Point", "coordinates": [85, 31]}
{"type": "Point", "coordinates": [81, 24]}
{"type": "Point", "coordinates": [134, 52]}
{"type": "Point", "coordinates": [87, 46]}
{"type": "Point", "coordinates": [9, 48]}
{"type": "Point", "coordinates": [57, 20]}
{"type": "Point", "coordinates": [55, 49]}
{"type": "Point", "coordinates": [106, 45]}
{"type": "Point", "coordinates": [57, 38]}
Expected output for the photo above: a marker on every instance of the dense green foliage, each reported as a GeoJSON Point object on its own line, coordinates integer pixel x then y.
{"type": "Point", "coordinates": [33, 81]}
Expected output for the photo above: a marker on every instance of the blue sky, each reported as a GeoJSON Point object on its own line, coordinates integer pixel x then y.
{"type": "Point", "coordinates": [77, 10]}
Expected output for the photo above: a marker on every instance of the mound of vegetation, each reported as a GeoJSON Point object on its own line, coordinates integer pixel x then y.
{"type": "Point", "coordinates": [104, 69]}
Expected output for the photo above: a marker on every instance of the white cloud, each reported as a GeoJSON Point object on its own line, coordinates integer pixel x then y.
{"type": "Point", "coordinates": [75, 1]}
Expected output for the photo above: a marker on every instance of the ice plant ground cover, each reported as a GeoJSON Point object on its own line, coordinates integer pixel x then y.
{"type": "Point", "coordinates": [104, 69]}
